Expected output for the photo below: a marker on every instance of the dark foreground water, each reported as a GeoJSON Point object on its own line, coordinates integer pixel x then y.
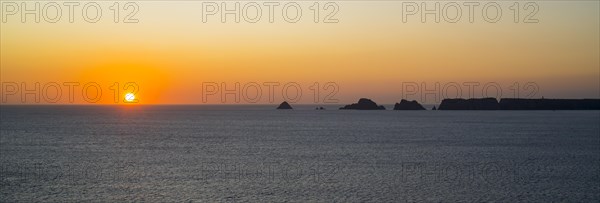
{"type": "Point", "coordinates": [237, 154]}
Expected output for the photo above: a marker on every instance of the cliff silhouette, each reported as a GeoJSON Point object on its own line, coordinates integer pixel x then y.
{"type": "Point", "coordinates": [469, 104]}
{"type": "Point", "coordinates": [363, 104]}
{"type": "Point", "coordinates": [549, 104]}
{"type": "Point", "coordinates": [408, 105]}
{"type": "Point", "coordinates": [519, 104]}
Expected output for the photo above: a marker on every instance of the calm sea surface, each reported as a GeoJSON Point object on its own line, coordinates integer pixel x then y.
{"type": "Point", "coordinates": [254, 153]}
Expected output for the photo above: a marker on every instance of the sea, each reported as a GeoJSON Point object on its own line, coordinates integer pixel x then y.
{"type": "Point", "coordinates": [254, 153]}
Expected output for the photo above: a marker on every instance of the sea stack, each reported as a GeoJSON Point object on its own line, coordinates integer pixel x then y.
{"type": "Point", "coordinates": [408, 105]}
{"type": "Point", "coordinates": [363, 104]}
{"type": "Point", "coordinates": [284, 105]}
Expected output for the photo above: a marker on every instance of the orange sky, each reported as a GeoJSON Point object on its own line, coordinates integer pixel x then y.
{"type": "Point", "coordinates": [370, 52]}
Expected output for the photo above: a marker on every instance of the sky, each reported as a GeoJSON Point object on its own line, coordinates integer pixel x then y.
{"type": "Point", "coordinates": [367, 50]}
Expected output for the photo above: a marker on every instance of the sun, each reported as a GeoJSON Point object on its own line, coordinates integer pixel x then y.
{"type": "Point", "coordinates": [130, 97]}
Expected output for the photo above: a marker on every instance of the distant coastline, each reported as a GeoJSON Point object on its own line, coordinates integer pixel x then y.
{"type": "Point", "coordinates": [368, 104]}
{"type": "Point", "coordinates": [519, 104]}
{"type": "Point", "coordinates": [488, 104]}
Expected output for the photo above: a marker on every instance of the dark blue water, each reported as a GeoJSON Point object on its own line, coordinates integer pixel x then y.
{"type": "Point", "coordinates": [253, 153]}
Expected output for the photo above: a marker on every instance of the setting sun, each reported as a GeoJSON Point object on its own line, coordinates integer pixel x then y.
{"type": "Point", "coordinates": [129, 97]}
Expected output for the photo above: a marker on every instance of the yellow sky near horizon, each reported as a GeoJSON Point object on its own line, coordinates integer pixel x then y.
{"type": "Point", "coordinates": [370, 52]}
